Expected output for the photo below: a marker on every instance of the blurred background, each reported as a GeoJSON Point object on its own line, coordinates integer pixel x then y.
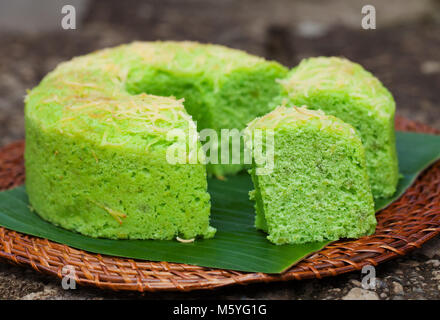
{"type": "Point", "coordinates": [403, 50]}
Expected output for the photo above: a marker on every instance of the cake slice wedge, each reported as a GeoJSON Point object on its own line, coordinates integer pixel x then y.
{"type": "Point", "coordinates": [318, 188]}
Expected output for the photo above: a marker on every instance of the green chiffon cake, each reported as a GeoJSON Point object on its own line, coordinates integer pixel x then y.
{"type": "Point", "coordinates": [346, 90]}
{"type": "Point", "coordinates": [318, 188]}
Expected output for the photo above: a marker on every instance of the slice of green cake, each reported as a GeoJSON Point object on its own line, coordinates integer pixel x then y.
{"type": "Point", "coordinates": [223, 88]}
{"type": "Point", "coordinates": [318, 188]}
{"type": "Point", "coordinates": [346, 90]}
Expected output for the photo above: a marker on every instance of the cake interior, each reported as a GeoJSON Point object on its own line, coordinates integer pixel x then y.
{"type": "Point", "coordinates": [376, 136]}
{"type": "Point", "coordinates": [231, 103]}
{"type": "Point", "coordinates": [318, 189]}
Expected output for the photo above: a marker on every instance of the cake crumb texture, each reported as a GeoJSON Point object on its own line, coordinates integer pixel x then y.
{"type": "Point", "coordinates": [319, 188]}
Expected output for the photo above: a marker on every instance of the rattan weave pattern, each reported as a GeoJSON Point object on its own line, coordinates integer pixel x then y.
{"type": "Point", "coordinates": [404, 225]}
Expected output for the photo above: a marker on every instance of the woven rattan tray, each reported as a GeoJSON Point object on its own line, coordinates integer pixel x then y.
{"type": "Point", "coordinates": [403, 226]}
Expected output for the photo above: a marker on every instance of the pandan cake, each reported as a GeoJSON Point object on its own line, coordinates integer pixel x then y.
{"type": "Point", "coordinates": [346, 90]}
{"type": "Point", "coordinates": [318, 188]}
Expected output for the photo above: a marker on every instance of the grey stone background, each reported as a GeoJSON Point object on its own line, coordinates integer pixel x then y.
{"type": "Point", "coordinates": [404, 52]}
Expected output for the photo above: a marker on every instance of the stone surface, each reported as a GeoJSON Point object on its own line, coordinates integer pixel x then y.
{"type": "Point", "coordinates": [397, 288]}
{"type": "Point", "coordinates": [360, 294]}
{"type": "Point", "coordinates": [434, 263]}
{"type": "Point", "coordinates": [431, 249]}
{"type": "Point", "coordinates": [356, 283]}
{"type": "Point", "coordinates": [403, 52]}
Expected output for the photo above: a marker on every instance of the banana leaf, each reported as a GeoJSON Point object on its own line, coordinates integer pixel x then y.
{"type": "Point", "coordinates": [237, 244]}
